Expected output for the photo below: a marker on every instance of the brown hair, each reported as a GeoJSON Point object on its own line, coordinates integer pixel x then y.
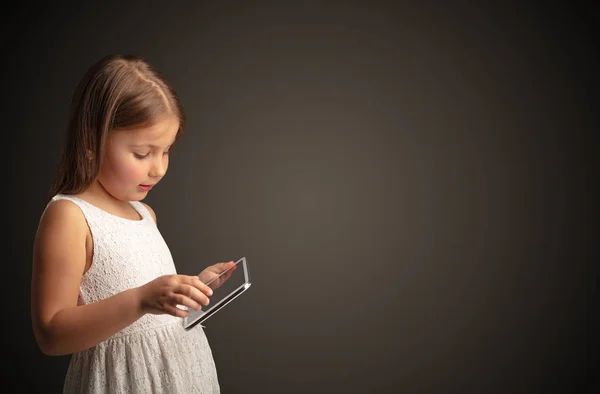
{"type": "Point", "coordinates": [117, 92]}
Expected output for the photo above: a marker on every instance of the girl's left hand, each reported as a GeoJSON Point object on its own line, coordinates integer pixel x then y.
{"type": "Point", "coordinates": [214, 270]}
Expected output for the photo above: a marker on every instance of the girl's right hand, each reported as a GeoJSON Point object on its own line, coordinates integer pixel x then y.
{"type": "Point", "coordinates": [163, 294]}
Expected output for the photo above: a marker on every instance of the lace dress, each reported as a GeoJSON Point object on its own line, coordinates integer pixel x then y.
{"type": "Point", "coordinates": [155, 354]}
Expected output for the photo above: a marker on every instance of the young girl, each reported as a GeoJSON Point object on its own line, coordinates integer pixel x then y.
{"type": "Point", "coordinates": [104, 286]}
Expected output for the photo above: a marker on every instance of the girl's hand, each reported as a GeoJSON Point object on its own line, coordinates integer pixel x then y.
{"type": "Point", "coordinates": [214, 270]}
{"type": "Point", "coordinates": [163, 294]}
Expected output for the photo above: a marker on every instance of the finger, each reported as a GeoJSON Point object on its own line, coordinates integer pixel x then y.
{"type": "Point", "coordinates": [225, 266]}
{"type": "Point", "coordinates": [173, 310]}
{"type": "Point", "coordinates": [204, 288]}
{"type": "Point", "coordinates": [181, 299]}
{"type": "Point", "coordinates": [193, 293]}
{"type": "Point", "coordinates": [228, 269]}
{"type": "Point", "coordinates": [230, 272]}
{"type": "Point", "coordinates": [195, 281]}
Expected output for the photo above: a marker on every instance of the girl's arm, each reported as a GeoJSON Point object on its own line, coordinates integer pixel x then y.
{"type": "Point", "coordinates": [59, 255]}
{"type": "Point", "coordinates": [59, 324]}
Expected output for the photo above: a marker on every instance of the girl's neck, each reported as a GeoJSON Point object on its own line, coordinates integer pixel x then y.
{"type": "Point", "coordinates": [98, 195]}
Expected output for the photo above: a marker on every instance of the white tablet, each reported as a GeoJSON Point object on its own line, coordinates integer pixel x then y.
{"type": "Point", "coordinates": [238, 282]}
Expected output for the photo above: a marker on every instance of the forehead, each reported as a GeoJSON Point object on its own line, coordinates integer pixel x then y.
{"type": "Point", "coordinates": [161, 133]}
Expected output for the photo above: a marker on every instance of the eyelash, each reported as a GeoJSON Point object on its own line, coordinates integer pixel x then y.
{"type": "Point", "coordinates": [141, 157]}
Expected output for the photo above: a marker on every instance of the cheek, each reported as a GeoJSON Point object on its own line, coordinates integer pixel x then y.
{"type": "Point", "coordinates": [133, 173]}
{"type": "Point", "coordinates": [136, 170]}
{"type": "Point", "coordinates": [128, 170]}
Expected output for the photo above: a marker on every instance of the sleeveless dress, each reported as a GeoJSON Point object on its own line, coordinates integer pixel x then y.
{"type": "Point", "coordinates": [155, 354]}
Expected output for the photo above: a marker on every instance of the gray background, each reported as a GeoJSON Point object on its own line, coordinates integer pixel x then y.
{"type": "Point", "coordinates": [410, 185]}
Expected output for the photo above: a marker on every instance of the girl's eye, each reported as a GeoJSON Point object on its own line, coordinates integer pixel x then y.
{"type": "Point", "coordinates": [166, 153]}
{"type": "Point", "coordinates": [141, 156]}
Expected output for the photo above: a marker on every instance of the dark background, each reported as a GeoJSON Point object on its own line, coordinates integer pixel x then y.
{"type": "Point", "coordinates": [411, 185]}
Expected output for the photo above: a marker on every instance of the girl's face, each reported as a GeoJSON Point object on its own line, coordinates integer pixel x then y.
{"type": "Point", "coordinates": [137, 159]}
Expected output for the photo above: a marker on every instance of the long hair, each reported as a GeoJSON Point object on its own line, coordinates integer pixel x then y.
{"type": "Point", "coordinates": [117, 92]}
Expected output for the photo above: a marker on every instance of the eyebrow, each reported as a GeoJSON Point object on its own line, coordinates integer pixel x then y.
{"type": "Point", "coordinates": [146, 145]}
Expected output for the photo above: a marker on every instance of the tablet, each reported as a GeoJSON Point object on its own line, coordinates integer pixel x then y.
{"type": "Point", "coordinates": [238, 282]}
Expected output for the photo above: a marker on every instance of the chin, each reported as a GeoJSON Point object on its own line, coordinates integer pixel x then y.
{"type": "Point", "coordinates": [131, 196]}
{"type": "Point", "coordinates": [139, 196]}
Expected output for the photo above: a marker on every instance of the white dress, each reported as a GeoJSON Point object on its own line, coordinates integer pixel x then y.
{"type": "Point", "coordinates": [155, 354]}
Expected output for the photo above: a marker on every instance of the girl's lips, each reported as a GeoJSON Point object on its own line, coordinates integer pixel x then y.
{"type": "Point", "coordinates": [146, 187]}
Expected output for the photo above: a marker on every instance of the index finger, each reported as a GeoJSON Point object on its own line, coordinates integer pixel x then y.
{"type": "Point", "coordinates": [195, 281]}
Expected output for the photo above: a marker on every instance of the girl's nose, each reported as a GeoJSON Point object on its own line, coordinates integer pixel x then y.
{"type": "Point", "coordinates": [158, 169]}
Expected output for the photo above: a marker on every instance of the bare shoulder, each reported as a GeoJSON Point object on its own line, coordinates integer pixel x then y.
{"type": "Point", "coordinates": [59, 256]}
{"type": "Point", "coordinates": [62, 225]}
{"type": "Point", "coordinates": [63, 213]}
{"type": "Point", "coordinates": [150, 210]}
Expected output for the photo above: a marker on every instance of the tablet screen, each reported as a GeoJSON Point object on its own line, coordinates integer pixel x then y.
{"type": "Point", "coordinates": [238, 281]}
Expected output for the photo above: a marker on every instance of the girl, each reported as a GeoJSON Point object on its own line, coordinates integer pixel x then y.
{"type": "Point", "coordinates": [104, 285]}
